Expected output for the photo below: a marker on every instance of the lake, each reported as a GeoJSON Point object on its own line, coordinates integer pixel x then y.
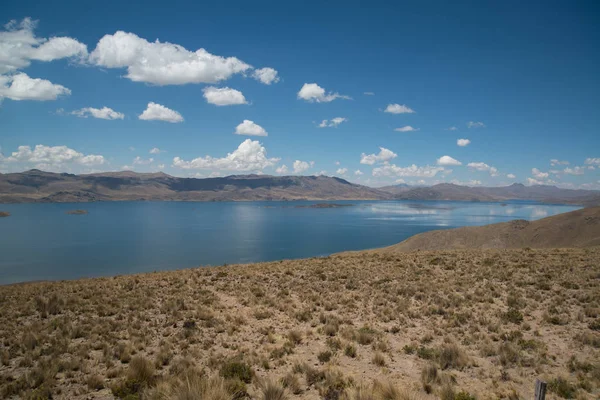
{"type": "Point", "coordinates": [40, 241]}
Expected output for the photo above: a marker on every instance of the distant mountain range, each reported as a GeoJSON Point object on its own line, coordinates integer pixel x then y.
{"type": "Point", "coordinates": [516, 191]}
{"type": "Point", "coordinates": [40, 186]}
{"type": "Point", "coordinates": [580, 228]}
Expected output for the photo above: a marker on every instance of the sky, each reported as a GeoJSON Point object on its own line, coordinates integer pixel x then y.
{"type": "Point", "coordinates": [378, 93]}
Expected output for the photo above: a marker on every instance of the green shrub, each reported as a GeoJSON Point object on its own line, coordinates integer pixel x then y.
{"type": "Point", "coordinates": [561, 387]}
{"type": "Point", "coordinates": [324, 356]}
{"type": "Point", "coordinates": [235, 369]}
{"type": "Point", "coordinates": [513, 315]}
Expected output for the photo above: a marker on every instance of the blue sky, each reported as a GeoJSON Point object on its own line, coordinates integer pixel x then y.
{"type": "Point", "coordinates": [519, 81]}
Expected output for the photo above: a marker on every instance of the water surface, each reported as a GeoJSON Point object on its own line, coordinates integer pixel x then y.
{"type": "Point", "coordinates": [40, 241]}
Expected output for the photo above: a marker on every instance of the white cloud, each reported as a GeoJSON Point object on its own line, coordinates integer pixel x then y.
{"type": "Point", "coordinates": [140, 161]}
{"type": "Point", "coordinates": [463, 142]}
{"type": "Point", "coordinates": [163, 63]}
{"type": "Point", "coordinates": [452, 128]}
{"type": "Point", "coordinates": [333, 123]}
{"type": "Point", "coordinates": [266, 75]}
{"type": "Point", "coordinates": [447, 161]}
{"type": "Point", "coordinates": [532, 181]}
{"type": "Point", "coordinates": [301, 166]}
{"type": "Point", "coordinates": [160, 167]}
{"type": "Point", "coordinates": [412, 170]}
{"type": "Point", "coordinates": [155, 150]}
{"type": "Point", "coordinates": [312, 92]}
{"type": "Point", "coordinates": [475, 124]}
{"type": "Point", "coordinates": [337, 163]}
{"type": "Point", "coordinates": [472, 182]}
{"type": "Point", "coordinates": [593, 161]}
{"type": "Point", "coordinates": [21, 87]}
{"type": "Point", "coordinates": [398, 109]}
{"type": "Point", "coordinates": [19, 45]}
{"type": "Point", "coordinates": [102, 113]}
{"type": "Point", "coordinates": [250, 128]}
{"type": "Point", "coordinates": [223, 96]}
{"type": "Point", "coordinates": [157, 112]}
{"type": "Point", "coordinates": [480, 166]}
{"type": "Point", "coordinates": [406, 128]}
{"type": "Point", "coordinates": [369, 94]}
{"type": "Point", "coordinates": [538, 174]}
{"type": "Point", "coordinates": [282, 170]}
{"type": "Point", "coordinates": [400, 181]}
{"type": "Point", "coordinates": [383, 156]}
{"type": "Point", "coordinates": [554, 162]}
{"type": "Point", "coordinates": [52, 157]}
{"type": "Point", "coordinates": [591, 167]}
{"type": "Point", "coordinates": [574, 171]}
{"type": "Point", "coordinates": [510, 176]}
{"type": "Point", "coordinates": [341, 171]}
{"type": "Point", "coordinates": [358, 172]}
{"type": "Point", "coordinates": [249, 156]}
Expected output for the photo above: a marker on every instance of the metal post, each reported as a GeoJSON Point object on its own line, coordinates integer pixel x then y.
{"type": "Point", "coordinates": [540, 390]}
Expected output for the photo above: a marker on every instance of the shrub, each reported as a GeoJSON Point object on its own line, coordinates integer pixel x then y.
{"type": "Point", "coordinates": [324, 356]}
{"type": "Point", "coordinates": [365, 336]}
{"type": "Point", "coordinates": [513, 315]}
{"type": "Point", "coordinates": [462, 395]}
{"type": "Point", "coordinates": [350, 350]}
{"type": "Point", "coordinates": [292, 383]}
{"type": "Point", "coordinates": [295, 336]}
{"type": "Point", "coordinates": [451, 356]}
{"type": "Point", "coordinates": [562, 388]}
{"type": "Point", "coordinates": [95, 382]}
{"type": "Point", "coordinates": [271, 390]}
{"type": "Point", "coordinates": [235, 369]}
{"type": "Point", "coordinates": [429, 377]}
{"type": "Point", "coordinates": [378, 359]}
{"type": "Point", "coordinates": [140, 370]}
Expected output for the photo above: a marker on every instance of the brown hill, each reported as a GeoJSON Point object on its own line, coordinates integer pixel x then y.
{"type": "Point", "coordinates": [580, 228]}
{"type": "Point", "coordinates": [40, 186]}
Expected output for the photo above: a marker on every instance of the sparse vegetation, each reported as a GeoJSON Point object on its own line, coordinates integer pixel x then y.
{"type": "Point", "coordinates": [455, 324]}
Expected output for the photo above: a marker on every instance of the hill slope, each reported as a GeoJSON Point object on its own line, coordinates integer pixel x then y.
{"type": "Point", "coordinates": [516, 191]}
{"type": "Point", "coordinates": [39, 186]}
{"type": "Point", "coordinates": [580, 228]}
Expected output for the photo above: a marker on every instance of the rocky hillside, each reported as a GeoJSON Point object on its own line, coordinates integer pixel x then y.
{"type": "Point", "coordinates": [579, 228]}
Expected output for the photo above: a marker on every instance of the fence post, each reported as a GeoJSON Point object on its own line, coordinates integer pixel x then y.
{"type": "Point", "coordinates": [540, 390]}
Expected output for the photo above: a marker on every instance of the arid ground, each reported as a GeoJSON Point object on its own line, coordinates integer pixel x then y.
{"type": "Point", "coordinates": [458, 324]}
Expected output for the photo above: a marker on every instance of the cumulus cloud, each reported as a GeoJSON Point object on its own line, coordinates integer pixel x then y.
{"type": "Point", "coordinates": [475, 124]}
{"type": "Point", "coordinates": [592, 161]}
{"type": "Point", "coordinates": [282, 170]}
{"type": "Point", "coordinates": [481, 166]}
{"type": "Point", "coordinates": [554, 162]}
{"type": "Point", "coordinates": [102, 113]}
{"type": "Point", "coordinates": [250, 128]}
{"type": "Point", "coordinates": [19, 45]}
{"type": "Point", "coordinates": [163, 63]}
{"type": "Point", "coordinates": [538, 174]}
{"type": "Point", "coordinates": [301, 166]}
{"type": "Point", "coordinates": [532, 181]}
{"type": "Point", "coordinates": [333, 123]}
{"type": "Point", "coordinates": [157, 112]}
{"type": "Point", "coordinates": [358, 172]}
{"type": "Point", "coordinates": [510, 176]}
{"type": "Point", "coordinates": [249, 156]}
{"type": "Point", "coordinates": [21, 87]}
{"type": "Point", "coordinates": [447, 161]}
{"type": "Point", "coordinates": [140, 161]}
{"type": "Point", "coordinates": [223, 96]}
{"type": "Point", "coordinates": [452, 128]}
{"type": "Point", "coordinates": [406, 128]}
{"type": "Point", "coordinates": [383, 156]}
{"type": "Point", "coordinates": [266, 75]}
{"type": "Point", "coordinates": [398, 109]}
{"type": "Point", "coordinates": [312, 92]}
{"type": "Point", "coordinates": [341, 171]}
{"type": "Point", "coordinates": [155, 150]}
{"type": "Point", "coordinates": [53, 157]}
{"type": "Point", "coordinates": [412, 170]}
{"type": "Point", "coordinates": [463, 142]}
{"type": "Point", "coordinates": [574, 171]}
{"type": "Point", "coordinates": [472, 182]}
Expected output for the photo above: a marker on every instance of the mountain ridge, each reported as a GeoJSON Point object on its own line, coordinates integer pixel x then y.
{"type": "Point", "coordinates": [41, 186]}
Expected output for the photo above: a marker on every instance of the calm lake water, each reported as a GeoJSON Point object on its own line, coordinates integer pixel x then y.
{"type": "Point", "coordinates": [40, 241]}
